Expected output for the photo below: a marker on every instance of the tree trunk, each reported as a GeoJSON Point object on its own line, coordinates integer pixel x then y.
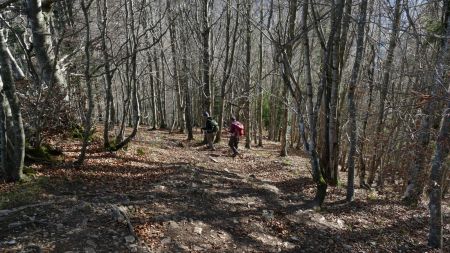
{"type": "Point", "coordinates": [384, 89]}
{"type": "Point", "coordinates": [416, 182]}
{"type": "Point", "coordinates": [351, 100]}
{"type": "Point", "coordinates": [228, 64]}
{"type": "Point", "coordinates": [43, 47]}
{"type": "Point", "coordinates": [370, 77]}
{"type": "Point", "coordinates": [259, 108]}
{"type": "Point", "coordinates": [205, 60]}
{"type": "Point", "coordinates": [87, 76]}
{"type": "Point", "coordinates": [176, 79]}
{"type": "Point", "coordinates": [185, 84]}
{"type": "Point", "coordinates": [436, 179]}
{"type": "Point", "coordinates": [133, 79]}
{"type": "Point", "coordinates": [13, 139]}
{"type": "Point", "coordinates": [333, 124]}
{"type": "Point", "coordinates": [248, 48]}
{"type": "Point", "coordinates": [109, 104]}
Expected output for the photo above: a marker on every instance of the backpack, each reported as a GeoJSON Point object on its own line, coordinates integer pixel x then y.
{"type": "Point", "coordinates": [239, 127]}
{"type": "Point", "coordinates": [215, 126]}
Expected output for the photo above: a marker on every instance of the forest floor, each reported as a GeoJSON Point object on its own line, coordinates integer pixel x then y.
{"type": "Point", "coordinates": [164, 194]}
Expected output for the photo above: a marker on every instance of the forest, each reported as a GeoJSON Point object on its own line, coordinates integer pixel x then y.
{"type": "Point", "coordinates": [224, 126]}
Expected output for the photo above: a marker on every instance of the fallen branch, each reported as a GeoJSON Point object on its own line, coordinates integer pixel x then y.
{"type": "Point", "coordinates": [121, 215]}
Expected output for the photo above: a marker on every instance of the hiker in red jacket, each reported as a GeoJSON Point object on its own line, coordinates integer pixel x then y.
{"type": "Point", "coordinates": [236, 130]}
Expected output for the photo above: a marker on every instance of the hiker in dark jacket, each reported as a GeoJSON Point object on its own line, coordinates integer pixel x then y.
{"type": "Point", "coordinates": [236, 130]}
{"type": "Point", "coordinates": [209, 130]}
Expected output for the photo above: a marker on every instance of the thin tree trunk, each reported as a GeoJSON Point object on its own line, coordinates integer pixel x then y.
{"type": "Point", "coordinates": [109, 105]}
{"type": "Point", "coordinates": [185, 84]}
{"type": "Point", "coordinates": [259, 108]}
{"type": "Point", "coordinates": [248, 41]}
{"type": "Point", "coordinates": [205, 60]}
{"type": "Point", "coordinates": [362, 162]}
{"type": "Point", "coordinates": [436, 179]}
{"type": "Point", "coordinates": [87, 76]}
{"type": "Point", "coordinates": [228, 64]}
{"type": "Point", "coordinates": [176, 78]}
{"type": "Point", "coordinates": [351, 100]}
{"type": "Point", "coordinates": [384, 89]}
{"type": "Point", "coordinates": [134, 86]}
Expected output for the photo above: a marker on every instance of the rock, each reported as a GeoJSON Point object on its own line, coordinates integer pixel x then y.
{"type": "Point", "coordinates": [244, 220]}
{"type": "Point", "coordinates": [347, 247]}
{"type": "Point", "coordinates": [166, 240]}
{"type": "Point", "coordinates": [295, 238]}
{"type": "Point", "coordinates": [173, 225]}
{"type": "Point", "coordinates": [15, 224]}
{"type": "Point", "coordinates": [340, 223]}
{"type": "Point", "coordinates": [59, 226]}
{"type": "Point", "coordinates": [271, 188]}
{"type": "Point", "coordinates": [129, 239]}
{"type": "Point", "coordinates": [288, 245]}
{"type": "Point", "coordinates": [11, 242]}
{"type": "Point", "coordinates": [133, 247]}
{"type": "Point", "coordinates": [267, 214]}
{"type": "Point", "coordinates": [373, 243]}
{"type": "Point", "coordinates": [91, 243]}
{"type": "Point", "coordinates": [89, 250]}
{"type": "Point", "coordinates": [5, 212]}
{"type": "Point", "coordinates": [197, 248]}
{"type": "Point", "coordinates": [198, 230]}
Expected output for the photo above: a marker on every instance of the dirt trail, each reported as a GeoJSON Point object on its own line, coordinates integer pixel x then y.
{"type": "Point", "coordinates": [166, 195]}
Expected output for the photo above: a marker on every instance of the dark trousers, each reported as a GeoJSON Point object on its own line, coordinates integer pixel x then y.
{"type": "Point", "coordinates": [233, 143]}
{"type": "Point", "coordinates": [210, 139]}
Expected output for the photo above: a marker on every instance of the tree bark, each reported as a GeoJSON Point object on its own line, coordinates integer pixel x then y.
{"type": "Point", "coordinates": [87, 76]}
{"type": "Point", "coordinates": [43, 46]}
{"type": "Point", "coordinates": [416, 182]}
{"type": "Point", "coordinates": [14, 134]}
{"type": "Point", "coordinates": [248, 48]}
{"type": "Point", "coordinates": [352, 109]}
{"type": "Point", "coordinates": [384, 90]}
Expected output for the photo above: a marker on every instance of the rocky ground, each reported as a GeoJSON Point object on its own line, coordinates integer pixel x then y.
{"type": "Point", "coordinates": [164, 194]}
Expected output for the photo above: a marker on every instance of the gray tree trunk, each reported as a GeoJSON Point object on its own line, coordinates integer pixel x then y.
{"type": "Point", "coordinates": [85, 7]}
{"type": "Point", "coordinates": [43, 46]}
{"type": "Point", "coordinates": [351, 100]}
{"type": "Point", "coordinates": [109, 103]}
{"type": "Point", "coordinates": [384, 90]}
{"type": "Point", "coordinates": [248, 48]}
{"type": "Point", "coordinates": [176, 78]}
{"type": "Point", "coordinates": [228, 64]}
{"type": "Point", "coordinates": [205, 57]}
{"type": "Point", "coordinates": [416, 182]}
{"type": "Point", "coordinates": [259, 108]}
{"type": "Point", "coordinates": [437, 180]}
{"type": "Point", "coordinates": [14, 136]}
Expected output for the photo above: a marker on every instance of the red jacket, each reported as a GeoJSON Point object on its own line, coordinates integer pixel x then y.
{"type": "Point", "coordinates": [236, 128]}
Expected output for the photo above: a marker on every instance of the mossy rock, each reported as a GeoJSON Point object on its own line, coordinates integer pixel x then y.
{"type": "Point", "coordinates": [43, 154]}
{"type": "Point", "coordinates": [78, 131]}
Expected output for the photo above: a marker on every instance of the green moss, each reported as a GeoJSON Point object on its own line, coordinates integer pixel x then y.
{"type": "Point", "coordinates": [29, 171]}
{"type": "Point", "coordinates": [140, 152]}
{"type": "Point", "coordinates": [78, 131]}
{"type": "Point", "coordinates": [322, 180]}
{"type": "Point", "coordinates": [37, 154]}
